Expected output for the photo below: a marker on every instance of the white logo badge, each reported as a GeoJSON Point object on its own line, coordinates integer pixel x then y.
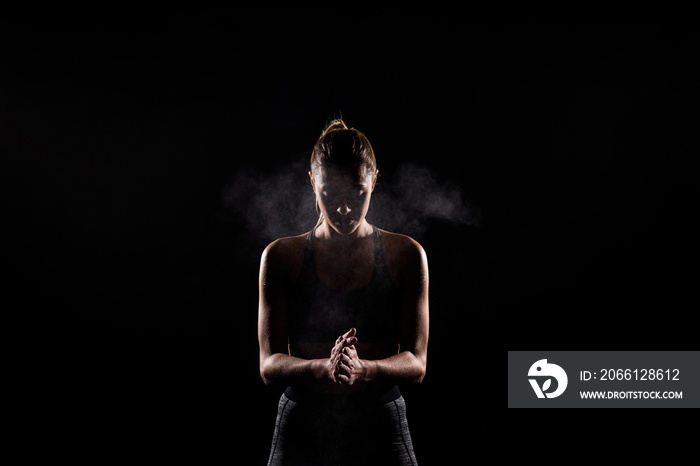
{"type": "Point", "coordinates": [544, 371]}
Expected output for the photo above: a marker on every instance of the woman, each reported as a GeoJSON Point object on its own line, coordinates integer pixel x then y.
{"type": "Point", "coordinates": [342, 319]}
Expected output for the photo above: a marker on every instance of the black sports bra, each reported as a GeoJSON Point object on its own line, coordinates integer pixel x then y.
{"type": "Point", "coordinates": [318, 313]}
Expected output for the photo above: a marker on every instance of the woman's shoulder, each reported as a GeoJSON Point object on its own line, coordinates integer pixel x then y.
{"type": "Point", "coordinates": [286, 246]}
{"type": "Point", "coordinates": [400, 242]}
{"type": "Point", "coordinates": [286, 252]}
{"type": "Point", "coordinates": [402, 249]}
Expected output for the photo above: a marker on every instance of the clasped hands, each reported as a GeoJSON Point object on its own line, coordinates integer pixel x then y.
{"type": "Point", "coordinates": [345, 365]}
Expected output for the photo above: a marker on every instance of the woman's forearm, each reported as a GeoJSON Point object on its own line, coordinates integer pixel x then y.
{"type": "Point", "coordinates": [283, 368]}
{"type": "Point", "coordinates": [402, 367]}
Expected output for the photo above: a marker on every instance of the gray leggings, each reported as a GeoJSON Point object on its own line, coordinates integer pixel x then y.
{"type": "Point", "coordinates": [308, 435]}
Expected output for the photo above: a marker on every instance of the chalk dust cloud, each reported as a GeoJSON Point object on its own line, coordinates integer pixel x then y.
{"type": "Point", "coordinates": [279, 202]}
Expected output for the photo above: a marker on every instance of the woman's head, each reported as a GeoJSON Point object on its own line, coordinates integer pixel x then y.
{"type": "Point", "coordinates": [343, 173]}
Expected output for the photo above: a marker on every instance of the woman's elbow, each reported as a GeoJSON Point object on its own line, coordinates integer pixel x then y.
{"type": "Point", "coordinates": [265, 371]}
{"type": "Point", "coordinates": [266, 380]}
{"type": "Point", "coordinates": [420, 370]}
{"type": "Point", "coordinates": [421, 374]}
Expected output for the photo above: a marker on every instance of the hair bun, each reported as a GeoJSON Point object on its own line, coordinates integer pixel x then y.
{"type": "Point", "coordinates": [334, 125]}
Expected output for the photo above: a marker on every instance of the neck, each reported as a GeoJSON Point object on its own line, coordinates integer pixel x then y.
{"type": "Point", "coordinates": [327, 233]}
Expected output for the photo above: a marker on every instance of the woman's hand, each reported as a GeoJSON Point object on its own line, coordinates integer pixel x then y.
{"type": "Point", "coordinates": [323, 369]}
{"type": "Point", "coordinates": [350, 367]}
{"type": "Point", "coordinates": [344, 358]}
{"type": "Point", "coordinates": [342, 342]}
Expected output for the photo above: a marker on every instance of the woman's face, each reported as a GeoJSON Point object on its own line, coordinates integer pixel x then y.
{"type": "Point", "coordinates": [343, 195]}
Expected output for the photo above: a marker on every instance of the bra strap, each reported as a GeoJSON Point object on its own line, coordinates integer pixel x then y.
{"type": "Point", "coordinates": [309, 248]}
{"type": "Point", "coordinates": [379, 256]}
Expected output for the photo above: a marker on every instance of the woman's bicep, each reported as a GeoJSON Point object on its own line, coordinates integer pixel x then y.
{"type": "Point", "coordinates": [414, 307]}
{"type": "Point", "coordinates": [272, 305]}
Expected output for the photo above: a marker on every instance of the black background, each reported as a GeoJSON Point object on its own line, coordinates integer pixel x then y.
{"type": "Point", "coordinates": [137, 288]}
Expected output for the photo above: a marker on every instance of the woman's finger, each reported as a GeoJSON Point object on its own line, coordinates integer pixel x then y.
{"type": "Point", "coordinates": [335, 352]}
{"type": "Point", "coordinates": [341, 343]}
{"type": "Point", "coordinates": [350, 351]}
{"type": "Point", "coordinates": [344, 368]}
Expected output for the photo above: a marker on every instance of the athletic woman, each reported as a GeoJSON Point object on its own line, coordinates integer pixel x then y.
{"type": "Point", "coordinates": [343, 320]}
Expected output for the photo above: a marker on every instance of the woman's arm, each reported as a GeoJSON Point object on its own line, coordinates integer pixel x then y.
{"type": "Point", "coordinates": [409, 365]}
{"type": "Point", "coordinates": [276, 365]}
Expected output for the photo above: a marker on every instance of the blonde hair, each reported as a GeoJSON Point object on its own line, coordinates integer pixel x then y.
{"type": "Point", "coordinates": [342, 146]}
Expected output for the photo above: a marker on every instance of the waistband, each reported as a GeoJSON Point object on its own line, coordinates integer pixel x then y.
{"type": "Point", "coordinates": [362, 399]}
